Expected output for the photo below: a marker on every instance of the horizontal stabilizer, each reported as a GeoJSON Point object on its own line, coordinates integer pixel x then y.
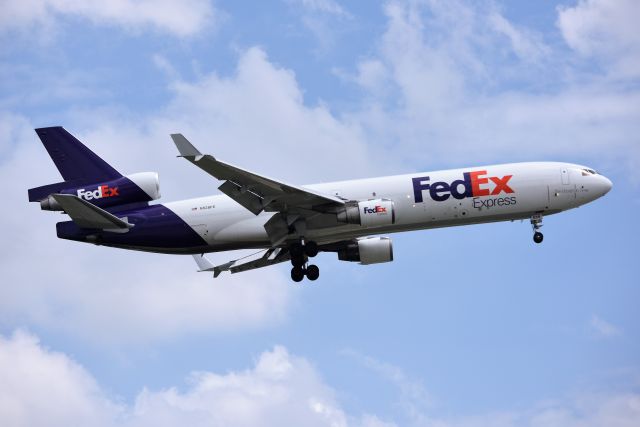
{"type": "Point", "coordinates": [203, 263]}
{"type": "Point", "coordinates": [270, 257]}
{"type": "Point", "coordinates": [39, 193]}
{"type": "Point", "coordinates": [86, 215]}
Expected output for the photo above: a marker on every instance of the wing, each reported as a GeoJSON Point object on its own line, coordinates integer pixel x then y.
{"type": "Point", "coordinates": [258, 193]}
{"type": "Point", "coordinates": [255, 192]}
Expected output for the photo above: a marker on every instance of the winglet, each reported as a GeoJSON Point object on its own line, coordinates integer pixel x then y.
{"type": "Point", "coordinates": [185, 148]}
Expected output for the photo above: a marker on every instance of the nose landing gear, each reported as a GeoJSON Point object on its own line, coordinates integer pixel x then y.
{"type": "Point", "coordinates": [537, 237]}
{"type": "Point", "coordinates": [536, 224]}
{"type": "Point", "coordinates": [300, 254]}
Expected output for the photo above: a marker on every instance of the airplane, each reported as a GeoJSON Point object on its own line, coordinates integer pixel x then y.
{"type": "Point", "coordinates": [287, 222]}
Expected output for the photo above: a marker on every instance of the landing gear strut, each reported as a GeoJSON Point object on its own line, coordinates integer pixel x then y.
{"type": "Point", "coordinates": [536, 223]}
{"type": "Point", "coordinates": [300, 254]}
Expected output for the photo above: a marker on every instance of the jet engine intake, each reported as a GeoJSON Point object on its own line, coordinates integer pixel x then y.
{"type": "Point", "coordinates": [370, 250]}
{"type": "Point", "coordinates": [368, 213]}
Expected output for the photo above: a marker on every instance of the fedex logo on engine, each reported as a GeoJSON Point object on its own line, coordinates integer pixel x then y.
{"type": "Point", "coordinates": [375, 210]}
{"type": "Point", "coordinates": [473, 184]}
{"type": "Point", "coordinates": [101, 192]}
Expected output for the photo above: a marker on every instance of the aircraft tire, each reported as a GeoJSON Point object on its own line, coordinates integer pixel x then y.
{"type": "Point", "coordinates": [313, 272]}
{"type": "Point", "coordinates": [311, 249]}
{"type": "Point", "coordinates": [297, 274]}
{"type": "Point", "coordinates": [538, 237]}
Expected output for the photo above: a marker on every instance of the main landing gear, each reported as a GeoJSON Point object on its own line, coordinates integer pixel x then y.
{"type": "Point", "coordinates": [536, 223]}
{"type": "Point", "coordinates": [300, 254]}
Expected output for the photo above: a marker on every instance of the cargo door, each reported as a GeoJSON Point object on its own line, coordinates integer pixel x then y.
{"type": "Point", "coordinates": [563, 195]}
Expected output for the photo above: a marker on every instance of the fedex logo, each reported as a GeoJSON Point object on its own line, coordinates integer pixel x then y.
{"type": "Point", "coordinates": [473, 184]}
{"type": "Point", "coordinates": [99, 193]}
{"type": "Point", "coordinates": [375, 210]}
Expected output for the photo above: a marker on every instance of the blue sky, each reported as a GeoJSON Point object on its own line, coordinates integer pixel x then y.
{"type": "Point", "coordinates": [472, 326]}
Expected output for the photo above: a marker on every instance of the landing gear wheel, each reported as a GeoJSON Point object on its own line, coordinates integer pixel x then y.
{"type": "Point", "coordinates": [311, 249]}
{"type": "Point", "coordinates": [537, 237]}
{"type": "Point", "coordinates": [297, 274]}
{"type": "Point", "coordinates": [313, 272]}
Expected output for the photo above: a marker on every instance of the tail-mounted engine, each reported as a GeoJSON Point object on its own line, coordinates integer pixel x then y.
{"type": "Point", "coordinates": [370, 250]}
{"type": "Point", "coordinates": [135, 188]}
{"type": "Point", "coordinates": [368, 213]}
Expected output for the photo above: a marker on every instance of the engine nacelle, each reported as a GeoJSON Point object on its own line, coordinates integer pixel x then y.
{"type": "Point", "coordinates": [134, 188]}
{"type": "Point", "coordinates": [368, 213]}
{"type": "Point", "coordinates": [149, 182]}
{"type": "Point", "coordinates": [371, 250]}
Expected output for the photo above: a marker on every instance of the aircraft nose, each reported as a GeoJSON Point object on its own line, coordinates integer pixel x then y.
{"type": "Point", "coordinates": [604, 185]}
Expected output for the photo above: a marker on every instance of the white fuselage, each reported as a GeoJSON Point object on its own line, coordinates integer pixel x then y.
{"type": "Point", "coordinates": [498, 193]}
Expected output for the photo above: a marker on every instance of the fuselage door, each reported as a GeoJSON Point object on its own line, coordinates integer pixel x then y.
{"type": "Point", "coordinates": [563, 195]}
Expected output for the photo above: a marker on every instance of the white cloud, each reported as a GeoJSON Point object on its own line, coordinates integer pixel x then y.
{"type": "Point", "coordinates": [605, 29]}
{"type": "Point", "coordinates": [371, 75]}
{"type": "Point", "coordinates": [325, 6]}
{"type": "Point", "coordinates": [413, 397]}
{"type": "Point", "coordinates": [41, 387]}
{"type": "Point", "coordinates": [525, 44]}
{"type": "Point", "coordinates": [280, 390]}
{"type": "Point", "coordinates": [324, 19]}
{"type": "Point", "coordinates": [588, 409]}
{"type": "Point", "coordinates": [184, 18]}
{"type": "Point", "coordinates": [602, 328]}
{"type": "Point", "coordinates": [452, 96]}
{"type": "Point", "coordinates": [598, 26]}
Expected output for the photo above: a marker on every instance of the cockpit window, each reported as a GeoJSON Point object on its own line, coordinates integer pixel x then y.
{"type": "Point", "coordinates": [586, 172]}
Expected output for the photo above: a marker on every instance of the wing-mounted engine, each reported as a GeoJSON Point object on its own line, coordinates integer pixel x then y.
{"type": "Point", "coordinates": [124, 190]}
{"type": "Point", "coordinates": [368, 213]}
{"type": "Point", "coordinates": [370, 250]}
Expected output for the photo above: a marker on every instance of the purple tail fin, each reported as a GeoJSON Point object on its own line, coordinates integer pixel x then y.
{"type": "Point", "coordinates": [74, 161]}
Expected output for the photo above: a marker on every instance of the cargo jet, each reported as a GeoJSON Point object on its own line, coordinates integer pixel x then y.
{"type": "Point", "coordinates": [293, 223]}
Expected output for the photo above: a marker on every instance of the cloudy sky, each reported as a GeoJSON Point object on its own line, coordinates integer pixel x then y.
{"type": "Point", "coordinates": [469, 327]}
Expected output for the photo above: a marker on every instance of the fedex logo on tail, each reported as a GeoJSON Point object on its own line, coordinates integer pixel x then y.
{"type": "Point", "coordinates": [473, 184]}
{"type": "Point", "coordinates": [101, 192]}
